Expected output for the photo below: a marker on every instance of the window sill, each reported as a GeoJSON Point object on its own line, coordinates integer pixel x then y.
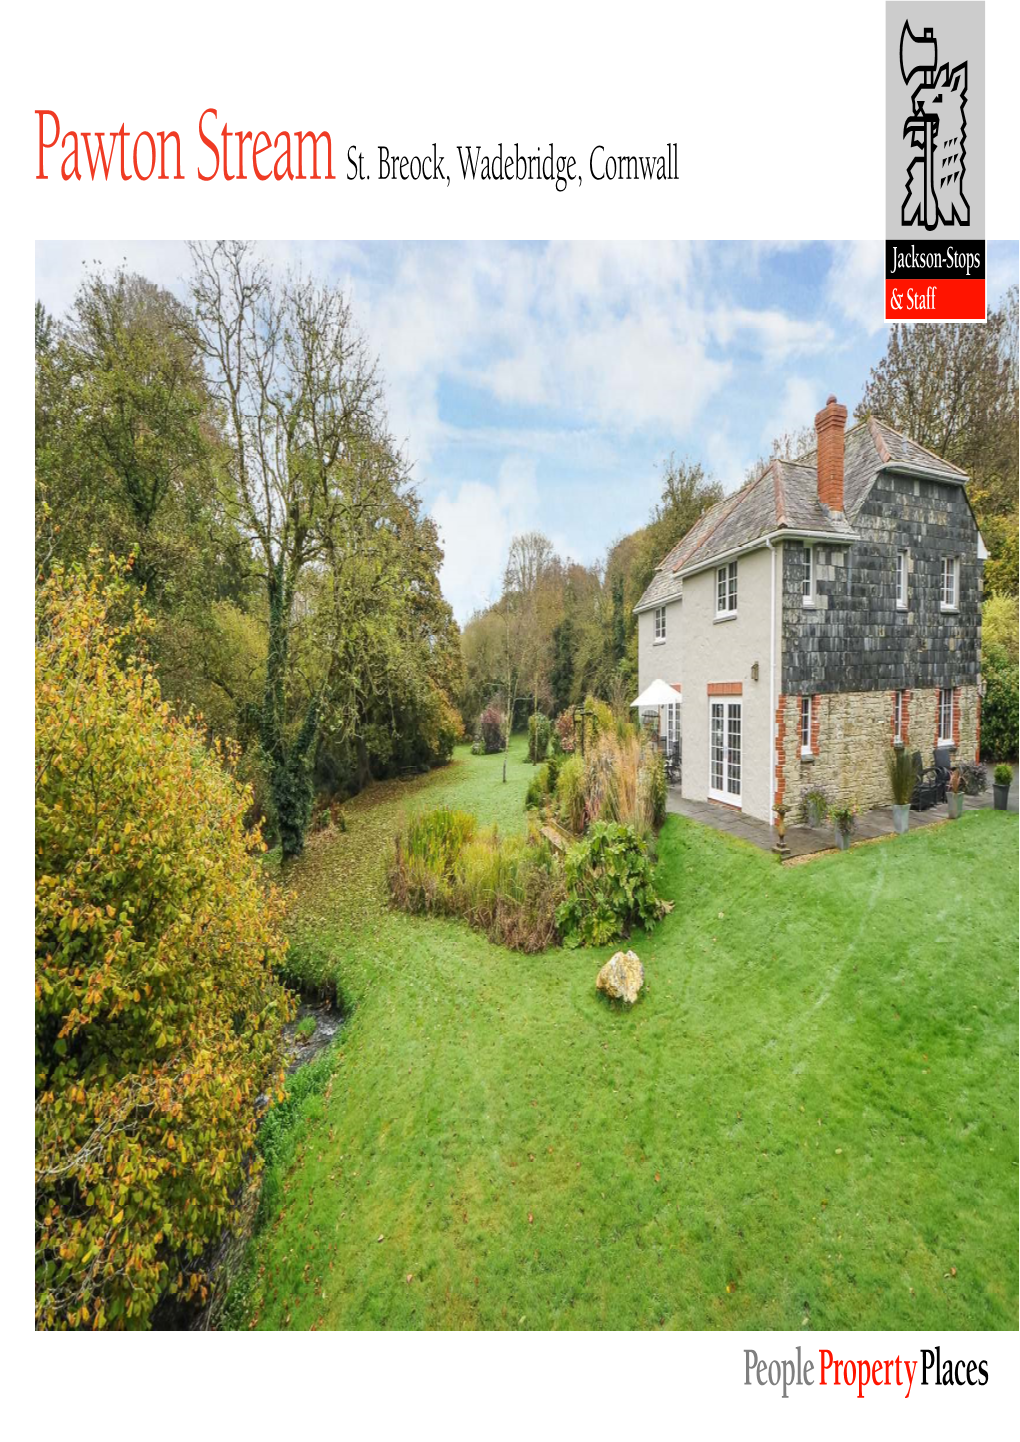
{"type": "Point", "coordinates": [660, 642]}
{"type": "Point", "coordinates": [807, 755]}
{"type": "Point", "coordinates": [902, 607]}
{"type": "Point", "coordinates": [808, 603]}
{"type": "Point", "coordinates": [949, 610]}
{"type": "Point", "coordinates": [898, 743]}
{"type": "Point", "coordinates": [725, 616]}
{"type": "Point", "coordinates": [946, 743]}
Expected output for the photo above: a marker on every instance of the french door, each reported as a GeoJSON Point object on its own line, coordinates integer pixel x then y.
{"type": "Point", "coordinates": [724, 751]}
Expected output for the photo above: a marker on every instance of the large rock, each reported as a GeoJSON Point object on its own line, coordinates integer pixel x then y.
{"type": "Point", "coordinates": [623, 976]}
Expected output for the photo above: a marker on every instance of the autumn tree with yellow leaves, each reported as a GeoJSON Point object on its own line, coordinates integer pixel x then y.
{"type": "Point", "coordinates": [157, 1009]}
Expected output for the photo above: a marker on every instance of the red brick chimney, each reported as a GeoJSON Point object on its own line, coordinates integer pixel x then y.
{"type": "Point", "coordinates": [829, 426]}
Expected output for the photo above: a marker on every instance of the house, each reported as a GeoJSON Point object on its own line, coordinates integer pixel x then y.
{"type": "Point", "coordinates": [828, 609]}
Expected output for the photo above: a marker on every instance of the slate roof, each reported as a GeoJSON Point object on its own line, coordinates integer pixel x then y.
{"type": "Point", "coordinates": [785, 497]}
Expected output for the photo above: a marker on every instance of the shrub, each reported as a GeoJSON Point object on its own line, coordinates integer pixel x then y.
{"type": "Point", "coordinates": [1000, 718]}
{"type": "Point", "coordinates": [1003, 775]}
{"type": "Point", "coordinates": [1000, 626]}
{"type": "Point", "coordinates": [157, 1011]}
{"type": "Point", "coordinates": [609, 887]}
{"type": "Point", "coordinates": [539, 731]}
{"type": "Point", "coordinates": [540, 786]}
{"type": "Point", "coordinates": [570, 797]}
{"type": "Point", "coordinates": [491, 731]}
{"type": "Point", "coordinates": [599, 718]}
{"type": "Point", "coordinates": [844, 818]}
{"type": "Point", "coordinates": [901, 775]}
{"type": "Point", "coordinates": [653, 782]}
{"type": "Point", "coordinates": [564, 731]}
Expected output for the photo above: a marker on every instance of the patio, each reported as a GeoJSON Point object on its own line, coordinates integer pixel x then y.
{"type": "Point", "coordinates": [807, 840]}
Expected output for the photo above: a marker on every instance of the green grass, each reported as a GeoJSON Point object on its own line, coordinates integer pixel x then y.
{"type": "Point", "coordinates": [809, 1120]}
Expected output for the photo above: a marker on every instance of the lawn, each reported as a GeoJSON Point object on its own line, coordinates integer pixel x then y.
{"type": "Point", "coordinates": [809, 1119]}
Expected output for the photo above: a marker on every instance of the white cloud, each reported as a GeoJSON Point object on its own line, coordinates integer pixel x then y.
{"type": "Point", "coordinates": [856, 286]}
{"type": "Point", "coordinates": [776, 334]}
{"type": "Point", "coordinates": [476, 527]}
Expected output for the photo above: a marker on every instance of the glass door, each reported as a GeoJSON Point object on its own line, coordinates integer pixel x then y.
{"type": "Point", "coordinates": [724, 751]}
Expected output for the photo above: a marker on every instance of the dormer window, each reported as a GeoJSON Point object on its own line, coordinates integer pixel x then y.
{"type": "Point", "coordinates": [726, 591]}
{"type": "Point", "coordinates": [660, 625]}
{"type": "Point", "coordinates": [808, 581]}
{"type": "Point", "coordinates": [949, 595]}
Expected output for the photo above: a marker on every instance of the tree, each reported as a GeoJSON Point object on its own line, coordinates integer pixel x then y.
{"type": "Point", "coordinates": [523, 637]}
{"type": "Point", "coordinates": [302, 405]}
{"type": "Point", "coordinates": [157, 1011]}
{"type": "Point", "coordinates": [125, 438]}
{"type": "Point", "coordinates": [953, 389]}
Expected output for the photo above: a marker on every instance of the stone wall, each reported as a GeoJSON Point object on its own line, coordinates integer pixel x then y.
{"type": "Point", "coordinates": [851, 735]}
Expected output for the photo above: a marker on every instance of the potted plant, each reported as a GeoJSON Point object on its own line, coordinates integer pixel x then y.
{"type": "Point", "coordinates": [815, 806]}
{"type": "Point", "coordinates": [901, 781]}
{"type": "Point", "coordinates": [1000, 788]}
{"type": "Point", "coordinates": [844, 821]}
{"type": "Point", "coordinates": [955, 794]}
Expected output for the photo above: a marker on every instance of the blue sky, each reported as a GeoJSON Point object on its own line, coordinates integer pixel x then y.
{"type": "Point", "coordinates": [541, 385]}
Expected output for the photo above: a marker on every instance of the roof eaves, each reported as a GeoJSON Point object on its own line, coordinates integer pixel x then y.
{"type": "Point", "coordinates": [786, 533]}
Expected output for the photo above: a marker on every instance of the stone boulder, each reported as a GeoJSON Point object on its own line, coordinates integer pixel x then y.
{"type": "Point", "coordinates": [623, 976]}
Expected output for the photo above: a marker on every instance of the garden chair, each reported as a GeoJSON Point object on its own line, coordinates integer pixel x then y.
{"type": "Point", "coordinates": [943, 768]}
{"type": "Point", "coordinates": [926, 786]}
{"type": "Point", "coordinates": [673, 772]}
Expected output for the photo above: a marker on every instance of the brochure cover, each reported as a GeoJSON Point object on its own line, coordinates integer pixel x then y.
{"type": "Point", "coordinates": [524, 600]}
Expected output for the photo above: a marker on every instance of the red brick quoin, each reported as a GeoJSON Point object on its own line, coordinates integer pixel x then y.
{"type": "Point", "coordinates": [816, 717]}
{"type": "Point", "coordinates": [780, 779]}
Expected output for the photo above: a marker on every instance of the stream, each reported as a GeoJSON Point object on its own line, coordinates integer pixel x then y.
{"type": "Point", "coordinates": [301, 1043]}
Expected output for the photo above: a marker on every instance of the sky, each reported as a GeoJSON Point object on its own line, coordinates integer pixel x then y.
{"type": "Point", "coordinates": [542, 385]}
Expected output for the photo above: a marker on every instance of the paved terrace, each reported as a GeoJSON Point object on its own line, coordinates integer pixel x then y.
{"type": "Point", "coordinates": [805, 840]}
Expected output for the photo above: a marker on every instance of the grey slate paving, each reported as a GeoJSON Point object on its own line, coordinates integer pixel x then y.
{"type": "Point", "coordinates": [805, 840]}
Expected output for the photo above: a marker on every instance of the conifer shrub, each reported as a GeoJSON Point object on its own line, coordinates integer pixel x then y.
{"type": "Point", "coordinates": [539, 732]}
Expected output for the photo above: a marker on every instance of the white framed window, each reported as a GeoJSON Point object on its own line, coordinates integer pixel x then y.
{"type": "Point", "coordinates": [949, 591]}
{"type": "Point", "coordinates": [898, 719]}
{"type": "Point", "coordinates": [808, 581]}
{"type": "Point", "coordinates": [805, 725]}
{"type": "Point", "coordinates": [901, 580]}
{"type": "Point", "coordinates": [946, 716]}
{"type": "Point", "coordinates": [660, 625]}
{"type": "Point", "coordinates": [726, 590]}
